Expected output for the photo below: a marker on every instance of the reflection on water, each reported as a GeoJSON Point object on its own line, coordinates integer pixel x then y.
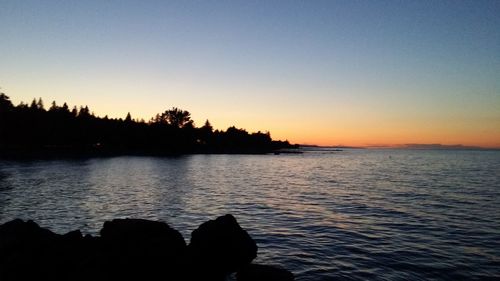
{"type": "Point", "coordinates": [355, 214]}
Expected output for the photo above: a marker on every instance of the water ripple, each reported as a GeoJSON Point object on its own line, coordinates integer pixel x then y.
{"type": "Point", "coordinates": [351, 215]}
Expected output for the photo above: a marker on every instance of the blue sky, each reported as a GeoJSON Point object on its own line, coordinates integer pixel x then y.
{"type": "Point", "coordinates": [328, 72]}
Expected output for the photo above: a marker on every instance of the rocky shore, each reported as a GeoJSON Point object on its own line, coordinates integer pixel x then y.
{"type": "Point", "coordinates": [132, 249]}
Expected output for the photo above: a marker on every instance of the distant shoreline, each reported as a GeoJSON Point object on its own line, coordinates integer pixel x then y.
{"type": "Point", "coordinates": [82, 153]}
{"type": "Point", "coordinates": [404, 147]}
{"type": "Point", "coordinates": [101, 153]}
{"type": "Point", "coordinates": [32, 131]}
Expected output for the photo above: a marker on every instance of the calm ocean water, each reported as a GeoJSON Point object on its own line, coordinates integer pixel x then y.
{"type": "Point", "coordinates": [347, 215]}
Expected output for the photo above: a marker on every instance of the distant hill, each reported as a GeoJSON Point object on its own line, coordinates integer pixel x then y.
{"type": "Point", "coordinates": [441, 146]}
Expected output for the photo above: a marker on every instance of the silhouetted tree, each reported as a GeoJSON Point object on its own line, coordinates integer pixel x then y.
{"type": "Point", "coordinates": [177, 118]}
{"type": "Point", "coordinates": [207, 126]}
{"type": "Point", "coordinates": [5, 103]}
{"type": "Point", "coordinates": [74, 111]}
{"type": "Point", "coordinates": [33, 105]}
{"type": "Point", "coordinates": [128, 119]}
{"type": "Point", "coordinates": [53, 107]}
{"type": "Point", "coordinates": [39, 104]}
{"type": "Point", "coordinates": [84, 112]}
{"type": "Point", "coordinates": [32, 129]}
{"type": "Point", "coordinates": [22, 105]}
{"type": "Point", "coordinates": [65, 108]}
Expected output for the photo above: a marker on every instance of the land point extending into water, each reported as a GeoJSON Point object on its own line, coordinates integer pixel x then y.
{"type": "Point", "coordinates": [31, 130]}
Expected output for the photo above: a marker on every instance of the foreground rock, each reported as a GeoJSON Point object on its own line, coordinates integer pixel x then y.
{"type": "Point", "coordinates": [219, 247]}
{"type": "Point", "coordinates": [138, 249]}
{"type": "Point", "coordinates": [129, 249]}
{"type": "Point", "coordinates": [28, 251]}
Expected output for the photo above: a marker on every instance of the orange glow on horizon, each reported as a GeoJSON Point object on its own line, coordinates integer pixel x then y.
{"type": "Point", "coordinates": [395, 137]}
{"type": "Point", "coordinates": [381, 142]}
{"type": "Point", "coordinates": [370, 131]}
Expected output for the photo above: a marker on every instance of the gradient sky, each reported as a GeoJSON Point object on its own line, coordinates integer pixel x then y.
{"type": "Point", "coordinates": [317, 72]}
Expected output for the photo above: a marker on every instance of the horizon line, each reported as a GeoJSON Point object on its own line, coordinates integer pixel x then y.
{"type": "Point", "coordinates": [416, 146]}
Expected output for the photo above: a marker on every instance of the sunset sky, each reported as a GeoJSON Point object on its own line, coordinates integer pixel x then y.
{"type": "Point", "coordinates": [361, 73]}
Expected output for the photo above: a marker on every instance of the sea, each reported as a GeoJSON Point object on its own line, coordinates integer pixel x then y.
{"type": "Point", "coordinates": [324, 214]}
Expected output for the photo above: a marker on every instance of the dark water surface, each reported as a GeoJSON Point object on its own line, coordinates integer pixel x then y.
{"type": "Point", "coordinates": [349, 215]}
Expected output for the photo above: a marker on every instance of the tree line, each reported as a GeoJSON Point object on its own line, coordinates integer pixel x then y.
{"type": "Point", "coordinates": [32, 129]}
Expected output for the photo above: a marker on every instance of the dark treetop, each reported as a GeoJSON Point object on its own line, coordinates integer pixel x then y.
{"type": "Point", "coordinates": [31, 130]}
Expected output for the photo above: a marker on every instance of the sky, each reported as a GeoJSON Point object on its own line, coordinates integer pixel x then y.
{"type": "Point", "coordinates": [358, 73]}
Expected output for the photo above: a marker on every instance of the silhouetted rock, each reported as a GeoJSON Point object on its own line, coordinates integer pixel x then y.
{"type": "Point", "coordinates": [219, 247]}
{"type": "Point", "coordinates": [140, 249]}
{"type": "Point", "coordinates": [18, 233]}
{"type": "Point", "coordinates": [74, 235]}
{"type": "Point", "coordinates": [128, 234]}
{"type": "Point", "coordinates": [260, 272]}
{"type": "Point", "coordinates": [131, 249]}
{"type": "Point", "coordinates": [24, 245]}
